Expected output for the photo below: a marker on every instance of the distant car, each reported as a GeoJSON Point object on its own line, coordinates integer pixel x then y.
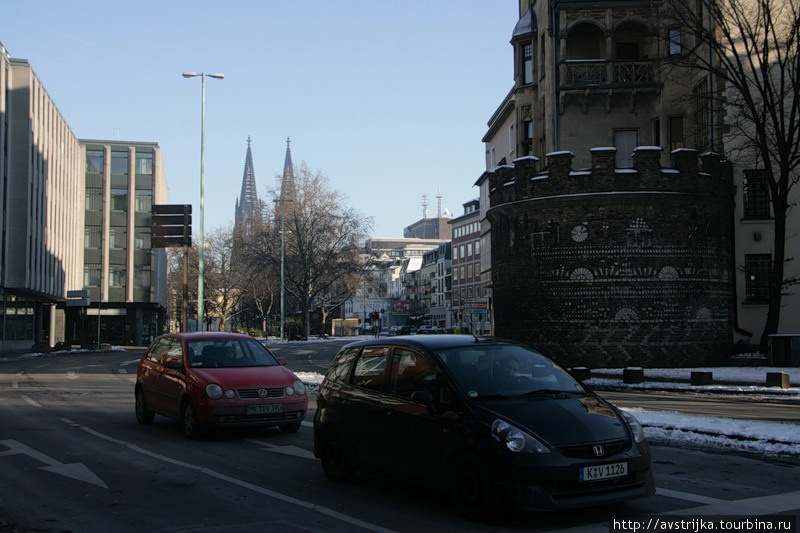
{"type": "Point", "coordinates": [217, 379]}
{"type": "Point", "coordinates": [495, 421]}
{"type": "Point", "coordinates": [400, 330]}
{"type": "Point", "coordinates": [428, 330]}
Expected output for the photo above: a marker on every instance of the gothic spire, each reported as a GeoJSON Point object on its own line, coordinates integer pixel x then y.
{"type": "Point", "coordinates": [248, 207]}
{"type": "Point", "coordinates": [288, 186]}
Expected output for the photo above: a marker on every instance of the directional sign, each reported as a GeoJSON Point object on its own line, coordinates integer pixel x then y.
{"type": "Point", "coordinates": [171, 225]}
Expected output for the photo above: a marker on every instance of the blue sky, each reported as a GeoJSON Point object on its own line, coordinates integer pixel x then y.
{"type": "Point", "coordinates": [389, 99]}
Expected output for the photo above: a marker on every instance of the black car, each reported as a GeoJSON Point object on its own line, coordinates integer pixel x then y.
{"type": "Point", "coordinates": [493, 421]}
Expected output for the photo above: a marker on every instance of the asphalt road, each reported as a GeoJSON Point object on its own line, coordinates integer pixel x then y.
{"type": "Point", "coordinates": [73, 459]}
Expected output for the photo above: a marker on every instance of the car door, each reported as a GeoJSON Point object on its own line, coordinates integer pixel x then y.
{"type": "Point", "coordinates": [362, 410]}
{"type": "Point", "coordinates": [416, 433]}
{"type": "Point", "coordinates": [173, 378]}
{"type": "Point", "coordinates": [150, 370]}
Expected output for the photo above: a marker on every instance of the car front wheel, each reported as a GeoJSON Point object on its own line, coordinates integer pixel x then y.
{"type": "Point", "coordinates": [189, 423]}
{"type": "Point", "coordinates": [290, 428]}
{"type": "Point", "coordinates": [473, 490]}
{"type": "Point", "coordinates": [143, 414]}
{"type": "Point", "coordinates": [333, 458]}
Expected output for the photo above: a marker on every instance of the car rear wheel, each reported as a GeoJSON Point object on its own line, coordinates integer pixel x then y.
{"type": "Point", "coordinates": [290, 428]}
{"type": "Point", "coordinates": [332, 456]}
{"type": "Point", "coordinates": [189, 423]}
{"type": "Point", "coordinates": [473, 490]}
{"type": "Point", "coordinates": [143, 414]}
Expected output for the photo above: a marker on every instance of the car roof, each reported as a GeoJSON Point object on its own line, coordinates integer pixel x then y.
{"type": "Point", "coordinates": [201, 335]}
{"type": "Point", "coordinates": [432, 342]}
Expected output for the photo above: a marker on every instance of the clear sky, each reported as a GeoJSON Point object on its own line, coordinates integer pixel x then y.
{"type": "Point", "coordinates": [389, 99]}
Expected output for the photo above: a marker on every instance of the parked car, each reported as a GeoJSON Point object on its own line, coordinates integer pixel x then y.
{"type": "Point", "coordinates": [429, 330]}
{"type": "Point", "coordinates": [400, 330]}
{"type": "Point", "coordinates": [494, 421]}
{"type": "Point", "coordinates": [217, 379]}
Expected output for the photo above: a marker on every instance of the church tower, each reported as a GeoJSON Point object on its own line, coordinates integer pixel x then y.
{"type": "Point", "coordinates": [249, 208]}
{"type": "Point", "coordinates": [288, 192]}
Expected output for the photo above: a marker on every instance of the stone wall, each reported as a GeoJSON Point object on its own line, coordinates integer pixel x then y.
{"type": "Point", "coordinates": [606, 266]}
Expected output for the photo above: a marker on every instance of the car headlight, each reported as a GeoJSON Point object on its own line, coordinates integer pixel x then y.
{"type": "Point", "coordinates": [214, 391]}
{"type": "Point", "coordinates": [515, 439]}
{"type": "Point", "coordinates": [636, 427]}
{"type": "Point", "coordinates": [297, 387]}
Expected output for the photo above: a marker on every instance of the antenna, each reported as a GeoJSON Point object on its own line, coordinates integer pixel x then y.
{"type": "Point", "coordinates": [424, 206]}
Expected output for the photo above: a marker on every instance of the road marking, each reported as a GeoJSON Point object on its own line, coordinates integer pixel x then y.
{"type": "Point", "coordinates": [238, 482]}
{"type": "Point", "coordinates": [123, 370]}
{"type": "Point", "coordinates": [15, 384]}
{"type": "Point", "coordinates": [72, 375]}
{"type": "Point", "coordinates": [760, 505]}
{"type": "Point", "coordinates": [30, 401]}
{"type": "Point", "coordinates": [77, 471]}
{"type": "Point", "coordinates": [687, 496]}
{"type": "Point", "coordinates": [294, 451]}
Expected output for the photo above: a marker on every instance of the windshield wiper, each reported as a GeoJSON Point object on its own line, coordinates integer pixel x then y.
{"type": "Point", "coordinates": [546, 392]}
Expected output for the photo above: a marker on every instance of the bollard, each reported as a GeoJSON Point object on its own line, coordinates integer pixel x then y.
{"type": "Point", "coordinates": [702, 378]}
{"type": "Point", "coordinates": [778, 379]}
{"type": "Point", "coordinates": [633, 375]}
{"type": "Point", "coordinates": [580, 373]}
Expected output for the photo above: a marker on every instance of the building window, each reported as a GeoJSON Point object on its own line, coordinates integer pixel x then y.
{"type": "Point", "coordinates": [118, 237]}
{"type": "Point", "coordinates": [757, 269]}
{"type": "Point", "coordinates": [141, 279]}
{"type": "Point", "coordinates": [92, 237]}
{"type": "Point", "coordinates": [542, 69]}
{"type": "Point", "coordinates": [674, 37]}
{"type": "Point", "coordinates": [119, 163]}
{"type": "Point", "coordinates": [701, 115]}
{"type": "Point", "coordinates": [469, 249]}
{"type": "Point", "coordinates": [119, 199]}
{"type": "Point", "coordinates": [477, 247]}
{"type": "Point", "coordinates": [116, 276]}
{"type": "Point", "coordinates": [142, 239]}
{"type": "Point", "coordinates": [144, 200]}
{"type": "Point", "coordinates": [657, 132]}
{"type": "Point", "coordinates": [755, 194]}
{"type": "Point", "coordinates": [144, 163]}
{"type": "Point", "coordinates": [94, 161]}
{"type": "Point", "coordinates": [94, 199]}
{"type": "Point", "coordinates": [91, 275]}
{"type": "Point", "coordinates": [512, 140]}
{"type": "Point", "coordinates": [675, 133]}
{"type": "Point", "coordinates": [527, 64]}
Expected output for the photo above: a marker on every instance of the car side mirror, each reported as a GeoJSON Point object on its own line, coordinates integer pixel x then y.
{"type": "Point", "coordinates": [282, 361]}
{"type": "Point", "coordinates": [424, 397]}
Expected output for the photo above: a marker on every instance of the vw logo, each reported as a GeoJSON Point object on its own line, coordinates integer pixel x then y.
{"type": "Point", "coordinates": [262, 393]}
{"type": "Point", "coordinates": [598, 450]}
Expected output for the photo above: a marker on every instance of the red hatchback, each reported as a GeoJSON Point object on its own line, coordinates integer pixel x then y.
{"type": "Point", "coordinates": [217, 379]}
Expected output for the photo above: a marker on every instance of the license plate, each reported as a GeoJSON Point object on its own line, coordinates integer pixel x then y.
{"type": "Point", "coordinates": [264, 409]}
{"type": "Point", "coordinates": [600, 472]}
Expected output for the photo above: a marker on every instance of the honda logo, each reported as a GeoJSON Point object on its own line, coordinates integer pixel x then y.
{"type": "Point", "coordinates": [598, 450]}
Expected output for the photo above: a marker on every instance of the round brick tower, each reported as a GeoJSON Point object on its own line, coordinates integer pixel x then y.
{"type": "Point", "coordinates": [607, 266]}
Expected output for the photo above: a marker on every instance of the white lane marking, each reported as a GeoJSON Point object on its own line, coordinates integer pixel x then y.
{"type": "Point", "coordinates": [760, 505]}
{"type": "Point", "coordinates": [72, 375]}
{"type": "Point", "coordinates": [238, 482]}
{"type": "Point", "coordinates": [15, 384]}
{"type": "Point", "coordinates": [123, 370]}
{"type": "Point", "coordinates": [77, 471]}
{"type": "Point", "coordinates": [294, 451]}
{"type": "Point", "coordinates": [30, 401]}
{"type": "Point", "coordinates": [687, 496]}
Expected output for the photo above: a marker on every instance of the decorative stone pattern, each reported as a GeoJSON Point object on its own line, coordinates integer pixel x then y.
{"type": "Point", "coordinates": [607, 266]}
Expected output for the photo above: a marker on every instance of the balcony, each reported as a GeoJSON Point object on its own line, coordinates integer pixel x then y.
{"type": "Point", "coordinates": [606, 74]}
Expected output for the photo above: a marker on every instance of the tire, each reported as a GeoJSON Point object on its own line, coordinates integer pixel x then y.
{"type": "Point", "coordinates": [189, 423]}
{"type": "Point", "coordinates": [473, 490]}
{"type": "Point", "coordinates": [290, 428]}
{"type": "Point", "coordinates": [143, 414]}
{"type": "Point", "coordinates": [332, 456]}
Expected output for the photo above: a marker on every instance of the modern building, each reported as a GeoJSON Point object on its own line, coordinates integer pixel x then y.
{"type": "Point", "coordinates": [125, 277]}
{"type": "Point", "coordinates": [75, 217]}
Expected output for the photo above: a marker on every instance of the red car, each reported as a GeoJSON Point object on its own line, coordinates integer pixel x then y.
{"type": "Point", "coordinates": [217, 379]}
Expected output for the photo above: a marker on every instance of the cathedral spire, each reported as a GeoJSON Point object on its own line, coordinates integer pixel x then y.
{"type": "Point", "coordinates": [248, 207]}
{"type": "Point", "coordinates": [288, 186]}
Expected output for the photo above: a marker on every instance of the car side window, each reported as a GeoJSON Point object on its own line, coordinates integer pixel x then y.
{"type": "Point", "coordinates": [340, 368]}
{"type": "Point", "coordinates": [411, 372]}
{"type": "Point", "coordinates": [158, 351]}
{"type": "Point", "coordinates": [174, 351]}
{"type": "Point", "coordinates": [370, 370]}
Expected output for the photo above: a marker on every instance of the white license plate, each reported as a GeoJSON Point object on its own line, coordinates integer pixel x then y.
{"type": "Point", "coordinates": [600, 472]}
{"type": "Point", "coordinates": [264, 409]}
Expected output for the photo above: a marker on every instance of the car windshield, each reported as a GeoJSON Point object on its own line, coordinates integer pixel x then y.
{"type": "Point", "coordinates": [502, 370]}
{"type": "Point", "coordinates": [228, 352]}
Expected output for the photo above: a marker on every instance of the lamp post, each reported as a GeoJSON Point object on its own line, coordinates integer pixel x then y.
{"type": "Point", "coordinates": [282, 201]}
{"type": "Point", "coordinates": [201, 322]}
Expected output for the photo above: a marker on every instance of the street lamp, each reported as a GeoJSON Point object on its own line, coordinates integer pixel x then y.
{"type": "Point", "coordinates": [282, 201]}
{"type": "Point", "coordinates": [200, 263]}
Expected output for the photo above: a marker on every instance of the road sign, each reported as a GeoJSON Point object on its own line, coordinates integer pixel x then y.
{"type": "Point", "coordinates": [78, 302]}
{"type": "Point", "coordinates": [83, 293]}
{"type": "Point", "coordinates": [171, 225]}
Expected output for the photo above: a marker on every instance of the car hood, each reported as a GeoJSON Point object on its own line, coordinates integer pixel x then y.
{"type": "Point", "coordinates": [560, 420]}
{"type": "Point", "coordinates": [247, 377]}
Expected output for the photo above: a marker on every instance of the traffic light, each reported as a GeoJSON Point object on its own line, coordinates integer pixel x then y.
{"type": "Point", "coordinates": [460, 314]}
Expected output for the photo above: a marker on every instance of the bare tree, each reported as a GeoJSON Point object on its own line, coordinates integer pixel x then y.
{"type": "Point", "coordinates": [224, 275]}
{"type": "Point", "coordinates": [752, 47]}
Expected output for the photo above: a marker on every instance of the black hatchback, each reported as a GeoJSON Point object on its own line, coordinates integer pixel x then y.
{"type": "Point", "coordinates": [495, 422]}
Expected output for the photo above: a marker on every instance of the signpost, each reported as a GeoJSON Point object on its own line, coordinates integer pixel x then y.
{"type": "Point", "coordinates": [172, 227]}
